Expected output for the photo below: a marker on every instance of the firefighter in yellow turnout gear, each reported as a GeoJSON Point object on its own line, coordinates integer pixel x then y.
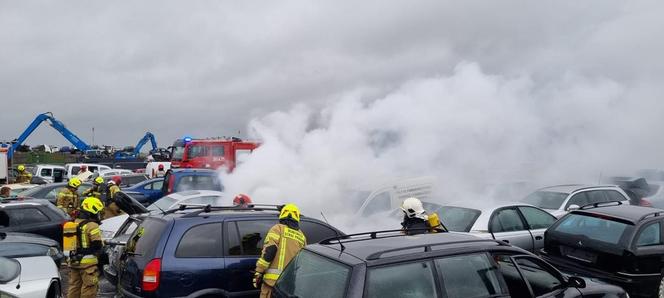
{"type": "Point", "coordinates": [96, 189]}
{"type": "Point", "coordinates": [282, 243]}
{"type": "Point", "coordinates": [83, 271]}
{"type": "Point", "coordinates": [112, 208]}
{"type": "Point", "coordinates": [67, 198]}
{"type": "Point", "coordinates": [23, 175]}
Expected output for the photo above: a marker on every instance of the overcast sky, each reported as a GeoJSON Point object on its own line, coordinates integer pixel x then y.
{"type": "Point", "coordinates": [205, 68]}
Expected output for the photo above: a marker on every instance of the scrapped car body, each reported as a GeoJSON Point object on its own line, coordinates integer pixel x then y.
{"type": "Point", "coordinates": [21, 245]}
{"type": "Point", "coordinates": [31, 277]}
{"type": "Point", "coordinates": [34, 216]}
{"type": "Point", "coordinates": [518, 224]}
{"type": "Point", "coordinates": [456, 265]}
{"type": "Point", "coordinates": [558, 200]}
{"type": "Point", "coordinates": [621, 245]}
{"type": "Point", "coordinates": [390, 196]}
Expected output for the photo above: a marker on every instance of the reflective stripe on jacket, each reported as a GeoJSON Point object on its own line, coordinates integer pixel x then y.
{"type": "Point", "coordinates": [289, 242]}
{"type": "Point", "coordinates": [67, 200]}
{"type": "Point", "coordinates": [89, 232]}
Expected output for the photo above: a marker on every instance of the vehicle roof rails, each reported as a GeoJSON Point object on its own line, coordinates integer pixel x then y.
{"type": "Point", "coordinates": [209, 208]}
{"type": "Point", "coordinates": [398, 233]}
{"type": "Point", "coordinates": [653, 214]}
{"type": "Point", "coordinates": [600, 204]}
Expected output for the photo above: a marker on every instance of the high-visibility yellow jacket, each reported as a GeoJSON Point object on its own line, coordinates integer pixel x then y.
{"type": "Point", "coordinates": [67, 200]}
{"type": "Point", "coordinates": [288, 243]}
{"type": "Point", "coordinates": [89, 232]}
{"type": "Point", "coordinates": [23, 177]}
{"type": "Point", "coordinates": [94, 191]}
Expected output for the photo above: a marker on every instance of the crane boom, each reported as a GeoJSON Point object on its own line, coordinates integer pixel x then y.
{"type": "Point", "coordinates": [137, 150]}
{"type": "Point", "coordinates": [57, 125]}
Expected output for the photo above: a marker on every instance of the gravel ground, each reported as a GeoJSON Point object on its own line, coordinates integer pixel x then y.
{"type": "Point", "coordinates": [106, 289]}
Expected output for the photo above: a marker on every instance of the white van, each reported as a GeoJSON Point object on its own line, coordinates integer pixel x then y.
{"type": "Point", "coordinates": [390, 196]}
{"type": "Point", "coordinates": [73, 168]}
{"type": "Point", "coordinates": [50, 173]}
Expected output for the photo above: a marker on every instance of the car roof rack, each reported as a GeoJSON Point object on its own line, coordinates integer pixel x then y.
{"type": "Point", "coordinates": [653, 214]}
{"type": "Point", "coordinates": [428, 247]}
{"type": "Point", "coordinates": [209, 208]}
{"type": "Point", "coordinates": [600, 204]}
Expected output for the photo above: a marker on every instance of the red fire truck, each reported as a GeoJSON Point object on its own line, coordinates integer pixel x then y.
{"type": "Point", "coordinates": [210, 153]}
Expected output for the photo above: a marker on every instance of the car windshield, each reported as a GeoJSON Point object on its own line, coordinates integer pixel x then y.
{"type": "Point", "coordinates": [546, 199]}
{"type": "Point", "coordinates": [162, 204]}
{"type": "Point", "coordinates": [458, 219]}
{"type": "Point", "coordinates": [596, 228]}
{"type": "Point", "coordinates": [9, 270]}
{"type": "Point", "coordinates": [21, 250]}
{"type": "Point", "coordinates": [303, 276]}
{"type": "Point", "coordinates": [177, 153]}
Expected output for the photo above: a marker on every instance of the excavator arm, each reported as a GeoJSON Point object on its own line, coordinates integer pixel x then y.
{"type": "Point", "coordinates": [57, 125]}
{"type": "Point", "coordinates": [147, 137]}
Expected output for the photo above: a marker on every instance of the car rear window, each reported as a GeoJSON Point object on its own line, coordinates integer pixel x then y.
{"type": "Point", "coordinates": [546, 199]}
{"type": "Point", "coordinates": [198, 182]}
{"type": "Point", "coordinates": [596, 228]}
{"type": "Point", "coordinates": [311, 275]}
{"type": "Point", "coordinates": [469, 276]}
{"type": "Point", "coordinates": [458, 219]}
{"type": "Point", "coordinates": [144, 240]}
{"type": "Point", "coordinates": [21, 250]}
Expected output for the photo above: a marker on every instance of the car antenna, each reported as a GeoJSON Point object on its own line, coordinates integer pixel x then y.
{"type": "Point", "coordinates": [336, 232]}
{"type": "Point", "coordinates": [600, 178]}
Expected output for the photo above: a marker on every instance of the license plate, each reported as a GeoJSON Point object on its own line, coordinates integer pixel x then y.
{"type": "Point", "coordinates": [578, 254]}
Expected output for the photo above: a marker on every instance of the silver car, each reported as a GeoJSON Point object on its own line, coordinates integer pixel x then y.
{"type": "Point", "coordinates": [558, 200]}
{"type": "Point", "coordinates": [31, 277]}
{"type": "Point", "coordinates": [518, 224]}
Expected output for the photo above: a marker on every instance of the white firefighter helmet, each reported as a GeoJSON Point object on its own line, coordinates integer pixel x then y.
{"type": "Point", "coordinates": [413, 208]}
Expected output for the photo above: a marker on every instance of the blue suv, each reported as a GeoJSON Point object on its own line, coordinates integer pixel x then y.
{"type": "Point", "coordinates": [203, 251]}
{"type": "Point", "coordinates": [150, 189]}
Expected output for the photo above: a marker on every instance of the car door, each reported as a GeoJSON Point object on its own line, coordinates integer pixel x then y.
{"type": "Point", "coordinates": [194, 260]}
{"type": "Point", "coordinates": [470, 275]}
{"type": "Point", "coordinates": [507, 224]}
{"type": "Point", "coordinates": [243, 246]}
{"type": "Point", "coordinates": [648, 246]}
{"type": "Point", "coordinates": [153, 190]}
{"type": "Point", "coordinates": [528, 276]}
{"type": "Point", "coordinates": [537, 221]}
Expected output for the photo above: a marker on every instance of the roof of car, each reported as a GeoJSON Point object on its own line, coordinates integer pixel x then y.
{"type": "Point", "coordinates": [183, 195]}
{"type": "Point", "coordinates": [395, 245]}
{"type": "Point", "coordinates": [190, 170]}
{"type": "Point", "coordinates": [633, 214]}
{"type": "Point", "coordinates": [569, 188]}
{"type": "Point", "coordinates": [26, 238]}
{"type": "Point", "coordinates": [22, 201]}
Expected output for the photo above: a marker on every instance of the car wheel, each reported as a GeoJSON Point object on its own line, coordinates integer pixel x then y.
{"type": "Point", "coordinates": [54, 291]}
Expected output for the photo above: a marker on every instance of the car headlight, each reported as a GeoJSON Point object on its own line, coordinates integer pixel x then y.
{"type": "Point", "coordinates": [52, 251]}
{"type": "Point", "coordinates": [107, 234]}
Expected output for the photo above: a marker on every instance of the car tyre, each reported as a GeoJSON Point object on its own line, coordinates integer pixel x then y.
{"type": "Point", "coordinates": [54, 291]}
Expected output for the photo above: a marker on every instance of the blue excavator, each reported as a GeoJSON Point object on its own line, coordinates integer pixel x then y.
{"type": "Point", "coordinates": [135, 153]}
{"type": "Point", "coordinates": [57, 125]}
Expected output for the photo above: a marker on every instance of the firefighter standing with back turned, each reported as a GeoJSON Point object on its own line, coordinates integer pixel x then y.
{"type": "Point", "coordinates": [282, 243]}
{"type": "Point", "coordinates": [67, 199]}
{"type": "Point", "coordinates": [83, 271]}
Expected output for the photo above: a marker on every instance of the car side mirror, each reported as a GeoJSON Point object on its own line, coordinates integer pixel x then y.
{"type": "Point", "coordinates": [576, 282]}
{"type": "Point", "coordinates": [573, 207]}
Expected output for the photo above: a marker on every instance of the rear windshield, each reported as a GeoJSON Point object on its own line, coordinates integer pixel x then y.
{"type": "Point", "coordinates": [596, 228]}
{"type": "Point", "coordinates": [21, 250]}
{"type": "Point", "coordinates": [198, 182]}
{"type": "Point", "coordinates": [144, 240]}
{"type": "Point", "coordinates": [546, 199]}
{"type": "Point", "coordinates": [310, 275]}
{"type": "Point", "coordinates": [458, 219]}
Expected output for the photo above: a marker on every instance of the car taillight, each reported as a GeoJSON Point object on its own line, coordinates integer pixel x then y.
{"type": "Point", "coordinates": [151, 275]}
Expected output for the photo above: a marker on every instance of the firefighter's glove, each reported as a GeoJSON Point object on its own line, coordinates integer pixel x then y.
{"type": "Point", "coordinates": [258, 280]}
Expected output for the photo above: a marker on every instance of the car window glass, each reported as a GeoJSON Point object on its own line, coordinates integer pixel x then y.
{"type": "Point", "coordinates": [252, 235]}
{"type": "Point", "coordinates": [468, 276]}
{"type": "Point", "coordinates": [144, 240]}
{"type": "Point", "coordinates": [310, 275]}
{"type": "Point", "coordinates": [217, 150]}
{"type": "Point", "coordinates": [51, 195]}
{"type": "Point", "coordinates": [650, 235]}
{"type": "Point", "coordinates": [540, 279]}
{"type": "Point", "coordinates": [46, 172]}
{"type": "Point", "coordinates": [194, 151]}
{"type": "Point", "coordinates": [546, 199]}
{"type": "Point", "coordinates": [21, 250]}
{"type": "Point", "coordinates": [595, 228]}
{"type": "Point", "coordinates": [316, 232]}
{"type": "Point", "coordinates": [579, 199]}
{"type": "Point", "coordinates": [614, 195]}
{"type": "Point", "coordinates": [202, 241]}
{"type": "Point", "coordinates": [204, 200]}
{"type": "Point", "coordinates": [379, 203]}
{"type": "Point", "coordinates": [389, 281]}
{"type": "Point", "coordinates": [506, 220]}
{"type": "Point", "coordinates": [129, 228]}
{"type": "Point", "coordinates": [458, 219]}
{"type": "Point", "coordinates": [158, 184]}
{"type": "Point", "coordinates": [23, 216]}
{"type": "Point", "coordinates": [597, 196]}
{"type": "Point", "coordinates": [537, 219]}
{"type": "Point", "coordinates": [75, 169]}
{"type": "Point", "coordinates": [515, 284]}
{"type": "Point", "coordinates": [4, 219]}
{"type": "Point", "coordinates": [197, 182]}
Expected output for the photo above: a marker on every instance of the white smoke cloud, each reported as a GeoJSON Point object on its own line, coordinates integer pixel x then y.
{"type": "Point", "coordinates": [469, 129]}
